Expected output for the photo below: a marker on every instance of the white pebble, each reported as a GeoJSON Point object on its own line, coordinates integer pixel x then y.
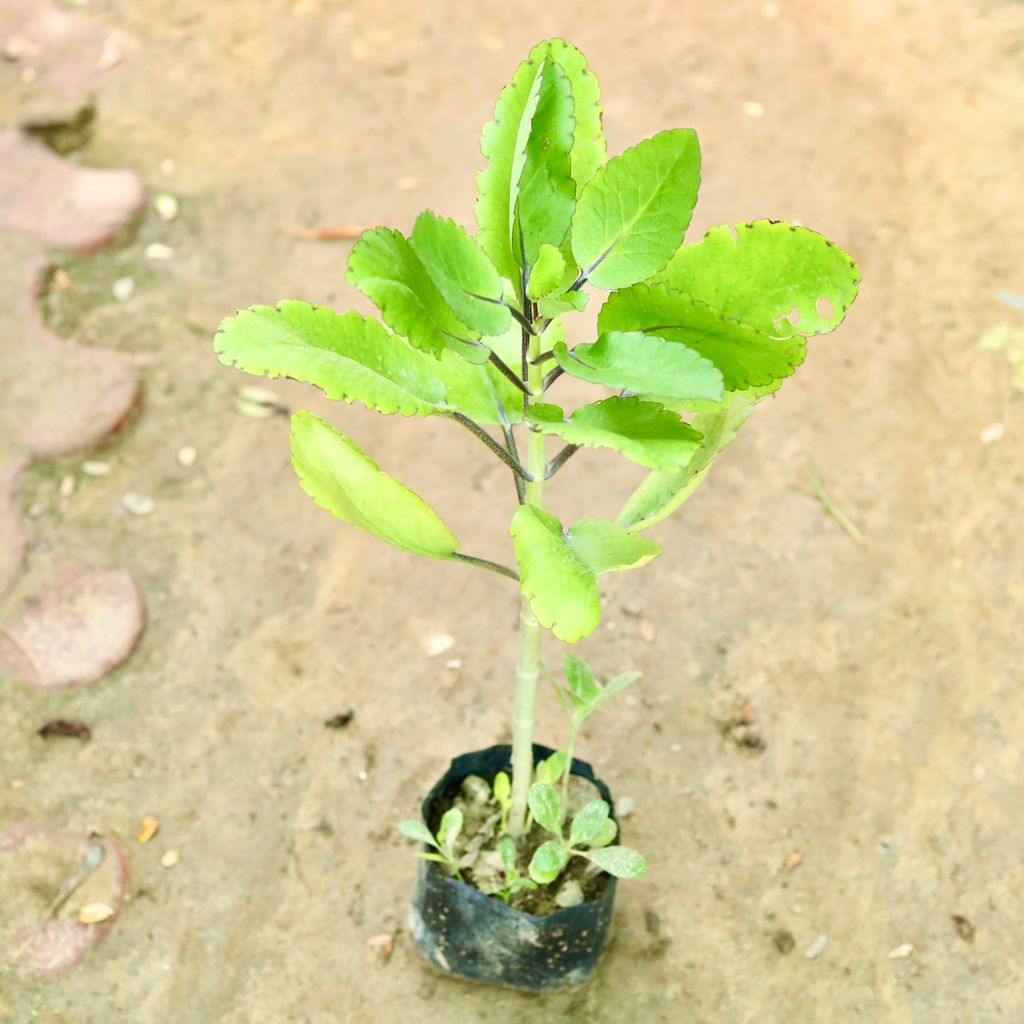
{"type": "Point", "coordinates": [123, 288]}
{"type": "Point", "coordinates": [624, 806]}
{"type": "Point", "coordinates": [187, 456]}
{"type": "Point", "coordinates": [158, 251]}
{"type": "Point", "coordinates": [453, 663]}
{"type": "Point", "coordinates": [169, 859]}
{"type": "Point", "coordinates": [753, 109]}
{"type": "Point", "coordinates": [817, 947]}
{"type": "Point", "coordinates": [137, 504]}
{"type": "Point", "coordinates": [95, 468]}
{"type": "Point", "coordinates": [67, 486]}
{"type": "Point", "coordinates": [438, 643]}
{"type": "Point", "coordinates": [166, 206]}
{"type": "Point", "coordinates": [902, 951]}
{"type": "Point", "coordinates": [992, 433]}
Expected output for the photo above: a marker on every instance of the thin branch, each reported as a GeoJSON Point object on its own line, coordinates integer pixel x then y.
{"type": "Point", "coordinates": [501, 302]}
{"type": "Point", "coordinates": [552, 377]}
{"type": "Point", "coordinates": [506, 371]}
{"type": "Point", "coordinates": [510, 443]}
{"type": "Point", "coordinates": [560, 460]}
{"type": "Point", "coordinates": [542, 358]}
{"type": "Point", "coordinates": [483, 563]}
{"type": "Point", "coordinates": [475, 428]}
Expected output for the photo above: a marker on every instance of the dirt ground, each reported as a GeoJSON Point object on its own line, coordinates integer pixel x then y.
{"type": "Point", "coordinates": [884, 677]}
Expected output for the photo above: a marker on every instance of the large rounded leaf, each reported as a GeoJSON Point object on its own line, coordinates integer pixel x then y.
{"type": "Point", "coordinates": [348, 356]}
{"type": "Point", "coordinates": [343, 479]}
{"type": "Point", "coordinates": [775, 276]}
{"type": "Point", "coordinates": [631, 218]}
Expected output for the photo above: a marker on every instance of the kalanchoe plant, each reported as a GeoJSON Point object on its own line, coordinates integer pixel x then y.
{"type": "Point", "coordinates": [690, 337]}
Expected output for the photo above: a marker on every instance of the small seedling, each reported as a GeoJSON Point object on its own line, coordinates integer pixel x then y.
{"type": "Point", "coordinates": [502, 791]}
{"type": "Point", "coordinates": [444, 843]}
{"type": "Point", "coordinates": [514, 882]}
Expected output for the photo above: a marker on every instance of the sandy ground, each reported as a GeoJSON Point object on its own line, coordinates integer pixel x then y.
{"type": "Point", "coordinates": [885, 677]}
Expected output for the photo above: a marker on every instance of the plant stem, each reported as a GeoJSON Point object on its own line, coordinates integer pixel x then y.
{"type": "Point", "coordinates": [474, 428]}
{"type": "Point", "coordinates": [484, 563]}
{"type": "Point", "coordinates": [570, 748]}
{"type": "Point", "coordinates": [529, 628]}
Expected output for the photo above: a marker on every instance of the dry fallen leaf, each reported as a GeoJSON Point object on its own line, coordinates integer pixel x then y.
{"type": "Point", "coordinates": [148, 828]}
{"type": "Point", "coordinates": [93, 913]}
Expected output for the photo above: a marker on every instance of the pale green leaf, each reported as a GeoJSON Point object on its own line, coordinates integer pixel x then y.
{"type": "Point", "coordinates": [462, 272]}
{"type": "Point", "coordinates": [774, 276]}
{"type": "Point", "coordinates": [550, 770]}
{"type": "Point", "coordinates": [620, 682]}
{"type": "Point", "coordinates": [632, 216]}
{"type": "Point", "coordinates": [747, 356]}
{"type": "Point", "coordinates": [544, 197]}
{"type": "Point", "coordinates": [549, 860]}
{"type": "Point", "coordinates": [450, 827]}
{"type": "Point", "coordinates": [589, 822]}
{"type": "Point", "coordinates": [347, 355]}
{"type": "Point", "coordinates": [436, 857]}
{"type": "Point", "coordinates": [547, 273]}
{"type": "Point", "coordinates": [643, 364]}
{"type": "Point", "coordinates": [642, 431]}
{"type": "Point", "coordinates": [417, 832]}
{"type": "Point", "coordinates": [502, 787]}
{"type": "Point", "coordinates": [546, 807]}
{"type": "Point", "coordinates": [567, 302]}
{"type": "Point", "coordinates": [343, 479]}
{"type": "Point", "coordinates": [620, 861]}
{"type": "Point", "coordinates": [507, 852]}
{"type": "Point", "coordinates": [583, 687]}
{"type": "Point", "coordinates": [662, 492]}
{"type": "Point", "coordinates": [605, 546]}
{"type": "Point", "coordinates": [607, 835]}
{"type": "Point", "coordinates": [589, 151]}
{"type": "Point", "coordinates": [386, 268]}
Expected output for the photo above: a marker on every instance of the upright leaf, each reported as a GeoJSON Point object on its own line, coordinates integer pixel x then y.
{"type": "Point", "coordinates": [772, 275]}
{"type": "Point", "coordinates": [747, 356]}
{"type": "Point", "coordinates": [546, 807]}
{"type": "Point", "coordinates": [343, 479]}
{"type": "Point", "coordinates": [386, 268]}
{"type": "Point", "coordinates": [643, 364]}
{"type": "Point", "coordinates": [449, 828]}
{"type": "Point", "coordinates": [583, 687]}
{"type": "Point", "coordinates": [462, 272]}
{"type": "Point", "coordinates": [347, 355]}
{"type": "Point", "coordinates": [606, 547]}
{"type": "Point", "coordinates": [417, 832]}
{"type": "Point", "coordinates": [632, 216]}
{"type": "Point", "coordinates": [547, 272]}
{"type": "Point", "coordinates": [643, 431]}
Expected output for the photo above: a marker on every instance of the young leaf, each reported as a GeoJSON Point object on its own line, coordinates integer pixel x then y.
{"type": "Point", "coordinates": [747, 356]}
{"type": "Point", "coordinates": [549, 859]}
{"type": "Point", "coordinates": [461, 271]}
{"type": "Point", "coordinates": [765, 273]}
{"type": "Point", "coordinates": [642, 431]}
{"type": "Point", "coordinates": [502, 787]}
{"type": "Point", "coordinates": [386, 268]}
{"type": "Point", "coordinates": [605, 546]}
{"type": "Point", "coordinates": [417, 832]}
{"type": "Point", "coordinates": [546, 274]}
{"type": "Point", "coordinates": [550, 770]}
{"type": "Point", "coordinates": [606, 836]}
{"type": "Point", "coordinates": [507, 852]}
{"type": "Point", "coordinates": [544, 195]}
{"type": "Point", "coordinates": [436, 857]}
{"type": "Point", "coordinates": [567, 302]}
{"type": "Point", "coordinates": [662, 492]}
{"type": "Point", "coordinates": [643, 364]}
{"type": "Point", "coordinates": [562, 589]}
{"type": "Point", "coordinates": [632, 216]}
{"type": "Point", "coordinates": [348, 356]}
{"type": "Point", "coordinates": [450, 827]}
{"type": "Point", "coordinates": [499, 145]}
{"type": "Point", "coordinates": [517, 884]}
{"type": "Point", "coordinates": [546, 807]}
{"type": "Point", "coordinates": [343, 479]}
{"type": "Point", "coordinates": [620, 682]}
{"type": "Point", "coordinates": [583, 687]}
{"type": "Point", "coordinates": [620, 861]}
{"type": "Point", "coordinates": [589, 822]}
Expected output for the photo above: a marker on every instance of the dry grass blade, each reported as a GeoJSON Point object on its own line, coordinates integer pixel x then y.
{"type": "Point", "coordinates": [832, 508]}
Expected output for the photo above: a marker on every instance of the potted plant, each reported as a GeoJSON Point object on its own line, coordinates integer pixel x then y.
{"type": "Point", "coordinates": [520, 850]}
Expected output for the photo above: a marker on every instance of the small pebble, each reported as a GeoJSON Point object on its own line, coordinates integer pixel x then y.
{"type": "Point", "coordinates": [137, 504]}
{"type": "Point", "coordinates": [60, 282]}
{"type": "Point", "coordinates": [795, 858]}
{"type": "Point", "coordinates": [167, 166]}
{"type": "Point", "coordinates": [783, 941]}
{"type": "Point", "coordinates": [624, 806]}
{"type": "Point", "coordinates": [437, 643]}
{"type": "Point", "coordinates": [93, 913]}
{"type": "Point", "coordinates": [633, 610]}
{"type": "Point", "coordinates": [158, 251]}
{"type": "Point", "coordinates": [258, 403]}
{"type": "Point", "coordinates": [123, 288]}
{"type": "Point", "coordinates": [148, 828]}
{"type": "Point", "coordinates": [362, 776]}
{"type": "Point", "coordinates": [453, 663]}
{"type": "Point", "coordinates": [902, 951]}
{"type": "Point", "coordinates": [647, 631]}
{"type": "Point", "coordinates": [110, 54]}
{"type": "Point", "coordinates": [67, 486]}
{"type": "Point", "coordinates": [753, 109]}
{"type": "Point", "coordinates": [570, 894]}
{"type": "Point", "coordinates": [676, 748]}
{"type": "Point", "coordinates": [169, 859]}
{"type": "Point", "coordinates": [992, 433]}
{"type": "Point", "coordinates": [166, 206]}
{"type": "Point", "coordinates": [817, 947]}
{"type": "Point", "coordinates": [187, 456]}
{"type": "Point", "coordinates": [384, 944]}
{"type": "Point", "coordinates": [95, 468]}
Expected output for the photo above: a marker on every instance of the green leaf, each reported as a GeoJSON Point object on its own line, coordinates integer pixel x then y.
{"type": "Point", "coordinates": [461, 271]}
{"type": "Point", "coordinates": [544, 196]}
{"type": "Point", "coordinates": [768, 271]}
{"type": "Point", "coordinates": [450, 827]}
{"type": "Point", "coordinates": [606, 547]}
{"type": "Point", "coordinates": [386, 268]}
{"type": "Point", "coordinates": [546, 807]}
{"type": "Point", "coordinates": [609, 830]}
{"type": "Point", "coordinates": [562, 589]}
{"type": "Point", "coordinates": [499, 145]}
{"type": "Point", "coordinates": [632, 216]}
{"type": "Point", "coordinates": [588, 822]}
{"type": "Point", "coordinates": [417, 832]}
{"type": "Point", "coordinates": [643, 364]}
{"type": "Point", "coordinates": [346, 355]}
{"type": "Point", "coordinates": [747, 356]}
{"type": "Point", "coordinates": [583, 687]}
{"type": "Point", "coordinates": [568, 302]}
{"type": "Point", "coordinates": [507, 852]}
{"type": "Point", "coordinates": [517, 884]}
{"type": "Point", "coordinates": [547, 273]}
{"type": "Point", "coordinates": [643, 431]}
{"type": "Point", "coordinates": [343, 479]}
{"type": "Point", "coordinates": [436, 857]}
{"type": "Point", "coordinates": [662, 492]}
{"type": "Point", "coordinates": [550, 770]}
{"type": "Point", "coordinates": [620, 682]}
{"type": "Point", "coordinates": [502, 787]}
{"type": "Point", "coordinates": [549, 860]}
{"type": "Point", "coordinates": [558, 570]}
{"type": "Point", "coordinates": [620, 861]}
